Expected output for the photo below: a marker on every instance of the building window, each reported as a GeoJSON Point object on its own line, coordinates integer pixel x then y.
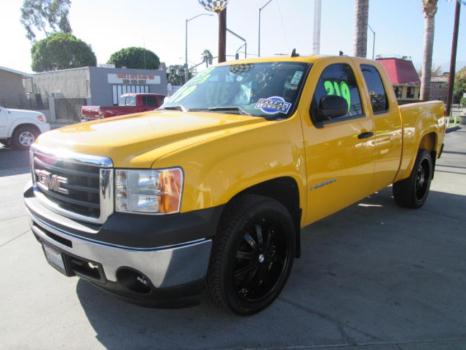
{"type": "Point", "coordinates": [410, 92]}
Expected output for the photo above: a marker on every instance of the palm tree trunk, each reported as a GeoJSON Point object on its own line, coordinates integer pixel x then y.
{"type": "Point", "coordinates": [361, 8]}
{"type": "Point", "coordinates": [430, 8]}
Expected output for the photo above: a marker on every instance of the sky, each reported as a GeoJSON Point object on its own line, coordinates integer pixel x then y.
{"type": "Point", "coordinates": [159, 25]}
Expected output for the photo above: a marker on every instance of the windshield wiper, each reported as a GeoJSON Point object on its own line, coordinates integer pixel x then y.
{"type": "Point", "coordinates": [229, 109]}
{"type": "Point", "coordinates": [175, 108]}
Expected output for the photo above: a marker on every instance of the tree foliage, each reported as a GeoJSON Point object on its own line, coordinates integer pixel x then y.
{"type": "Point", "coordinates": [176, 74]}
{"type": "Point", "coordinates": [45, 16]}
{"type": "Point", "coordinates": [460, 86]}
{"type": "Point", "coordinates": [207, 57]}
{"type": "Point", "coordinates": [61, 51]}
{"type": "Point", "coordinates": [135, 57]}
{"type": "Point", "coordinates": [429, 8]}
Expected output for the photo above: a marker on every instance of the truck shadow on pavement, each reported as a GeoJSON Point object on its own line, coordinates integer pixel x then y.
{"type": "Point", "coordinates": [371, 274]}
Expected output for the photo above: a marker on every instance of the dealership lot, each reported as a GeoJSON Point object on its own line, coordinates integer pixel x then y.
{"type": "Point", "coordinates": [374, 276]}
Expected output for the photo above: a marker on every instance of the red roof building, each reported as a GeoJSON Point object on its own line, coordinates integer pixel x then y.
{"type": "Point", "coordinates": [403, 76]}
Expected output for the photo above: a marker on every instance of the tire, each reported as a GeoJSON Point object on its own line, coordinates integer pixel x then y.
{"type": "Point", "coordinates": [413, 191]}
{"type": "Point", "coordinates": [252, 255]}
{"type": "Point", "coordinates": [23, 137]}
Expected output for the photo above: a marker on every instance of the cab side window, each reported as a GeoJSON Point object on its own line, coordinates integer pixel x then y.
{"type": "Point", "coordinates": [377, 93]}
{"type": "Point", "coordinates": [338, 79]}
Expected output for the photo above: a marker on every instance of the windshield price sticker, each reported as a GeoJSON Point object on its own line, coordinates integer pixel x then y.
{"type": "Point", "coordinates": [296, 77]}
{"type": "Point", "coordinates": [273, 105]}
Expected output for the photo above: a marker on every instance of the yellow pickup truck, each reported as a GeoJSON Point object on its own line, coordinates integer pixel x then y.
{"type": "Point", "coordinates": [211, 191]}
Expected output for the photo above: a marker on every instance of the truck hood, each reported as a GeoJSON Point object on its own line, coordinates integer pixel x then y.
{"type": "Point", "coordinates": [138, 140]}
{"type": "Point", "coordinates": [23, 113]}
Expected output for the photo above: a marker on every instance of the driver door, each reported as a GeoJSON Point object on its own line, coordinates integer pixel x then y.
{"type": "Point", "coordinates": [339, 155]}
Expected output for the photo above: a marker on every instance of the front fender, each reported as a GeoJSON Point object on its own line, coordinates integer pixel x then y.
{"type": "Point", "coordinates": [21, 121]}
{"type": "Point", "coordinates": [224, 165]}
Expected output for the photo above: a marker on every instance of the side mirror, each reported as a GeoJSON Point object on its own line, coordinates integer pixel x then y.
{"type": "Point", "coordinates": [331, 106]}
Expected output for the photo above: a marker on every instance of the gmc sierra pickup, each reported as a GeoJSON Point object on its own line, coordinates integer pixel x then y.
{"type": "Point", "coordinates": [212, 190]}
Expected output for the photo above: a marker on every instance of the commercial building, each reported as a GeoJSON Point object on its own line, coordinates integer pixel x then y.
{"type": "Point", "coordinates": [12, 93]}
{"type": "Point", "coordinates": [65, 91]}
{"type": "Point", "coordinates": [439, 88]}
{"type": "Point", "coordinates": [403, 76]}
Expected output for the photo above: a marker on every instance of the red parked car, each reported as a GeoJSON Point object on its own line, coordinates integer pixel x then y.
{"type": "Point", "coordinates": [129, 103]}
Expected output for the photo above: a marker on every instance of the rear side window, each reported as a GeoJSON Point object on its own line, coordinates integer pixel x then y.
{"type": "Point", "coordinates": [149, 100]}
{"type": "Point", "coordinates": [338, 79]}
{"type": "Point", "coordinates": [377, 93]}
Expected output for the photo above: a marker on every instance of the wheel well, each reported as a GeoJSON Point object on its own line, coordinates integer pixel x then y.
{"type": "Point", "coordinates": [28, 125]}
{"type": "Point", "coordinates": [285, 191]}
{"type": "Point", "coordinates": [429, 143]}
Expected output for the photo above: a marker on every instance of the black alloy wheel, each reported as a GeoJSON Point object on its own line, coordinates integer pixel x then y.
{"type": "Point", "coordinates": [252, 255]}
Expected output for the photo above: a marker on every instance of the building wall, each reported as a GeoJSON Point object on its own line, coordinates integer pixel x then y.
{"type": "Point", "coordinates": [102, 91]}
{"type": "Point", "coordinates": [67, 83]}
{"type": "Point", "coordinates": [439, 90]}
{"type": "Point", "coordinates": [12, 93]}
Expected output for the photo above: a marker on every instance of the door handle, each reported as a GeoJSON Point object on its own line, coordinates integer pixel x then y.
{"type": "Point", "coordinates": [365, 135]}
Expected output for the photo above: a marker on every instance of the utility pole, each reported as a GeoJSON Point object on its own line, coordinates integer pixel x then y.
{"type": "Point", "coordinates": [317, 18]}
{"type": "Point", "coordinates": [454, 45]}
{"type": "Point", "coordinates": [222, 35]}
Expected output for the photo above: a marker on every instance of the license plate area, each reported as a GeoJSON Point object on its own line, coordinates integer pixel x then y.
{"type": "Point", "coordinates": [55, 258]}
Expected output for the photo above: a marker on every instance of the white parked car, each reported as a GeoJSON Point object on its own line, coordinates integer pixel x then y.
{"type": "Point", "coordinates": [19, 128]}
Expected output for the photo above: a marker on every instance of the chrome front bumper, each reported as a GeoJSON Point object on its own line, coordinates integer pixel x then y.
{"type": "Point", "coordinates": [164, 266]}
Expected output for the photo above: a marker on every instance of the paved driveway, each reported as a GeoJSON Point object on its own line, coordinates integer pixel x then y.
{"type": "Point", "coordinates": [373, 276]}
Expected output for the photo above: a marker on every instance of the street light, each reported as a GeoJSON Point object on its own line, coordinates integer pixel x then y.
{"type": "Point", "coordinates": [259, 34]}
{"type": "Point", "coordinates": [186, 70]}
{"type": "Point", "coordinates": [245, 43]}
{"type": "Point", "coordinates": [373, 41]}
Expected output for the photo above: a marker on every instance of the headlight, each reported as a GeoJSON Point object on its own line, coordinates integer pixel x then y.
{"type": "Point", "coordinates": [41, 118]}
{"type": "Point", "coordinates": [148, 191]}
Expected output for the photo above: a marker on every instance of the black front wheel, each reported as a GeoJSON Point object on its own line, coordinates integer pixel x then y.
{"type": "Point", "coordinates": [252, 255]}
{"type": "Point", "coordinates": [413, 191]}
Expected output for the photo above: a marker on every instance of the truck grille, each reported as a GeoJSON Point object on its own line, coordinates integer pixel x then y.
{"type": "Point", "coordinates": [77, 188]}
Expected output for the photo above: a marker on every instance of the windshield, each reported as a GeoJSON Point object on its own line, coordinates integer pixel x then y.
{"type": "Point", "coordinates": [127, 100]}
{"type": "Point", "coordinates": [260, 89]}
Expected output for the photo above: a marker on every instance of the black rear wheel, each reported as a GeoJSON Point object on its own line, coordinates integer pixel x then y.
{"type": "Point", "coordinates": [413, 191]}
{"type": "Point", "coordinates": [252, 255]}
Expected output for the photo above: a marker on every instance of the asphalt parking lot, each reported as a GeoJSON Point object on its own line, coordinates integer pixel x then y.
{"type": "Point", "coordinates": [373, 276]}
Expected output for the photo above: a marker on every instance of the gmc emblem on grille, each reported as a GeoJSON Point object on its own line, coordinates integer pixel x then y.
{"type": "Point", "coordinates": [51, 182]}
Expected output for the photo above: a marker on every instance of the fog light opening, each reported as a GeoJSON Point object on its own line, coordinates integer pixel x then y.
{"type": "Point", "coordinates": [134, 280]}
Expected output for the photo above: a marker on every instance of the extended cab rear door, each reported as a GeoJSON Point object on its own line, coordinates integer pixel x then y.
{"type": "Point", "coordinates": [387, 138]}
{"type": "Point", "coordinates": [339, 156]}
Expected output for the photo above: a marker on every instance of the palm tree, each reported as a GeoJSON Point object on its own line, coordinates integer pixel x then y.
{"type": "Point", "coordinates": [207, 57]}
{"type": "Point", "coordinates": [361, 8]}
{"type": "Point", "coordinates": [430, 9]}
